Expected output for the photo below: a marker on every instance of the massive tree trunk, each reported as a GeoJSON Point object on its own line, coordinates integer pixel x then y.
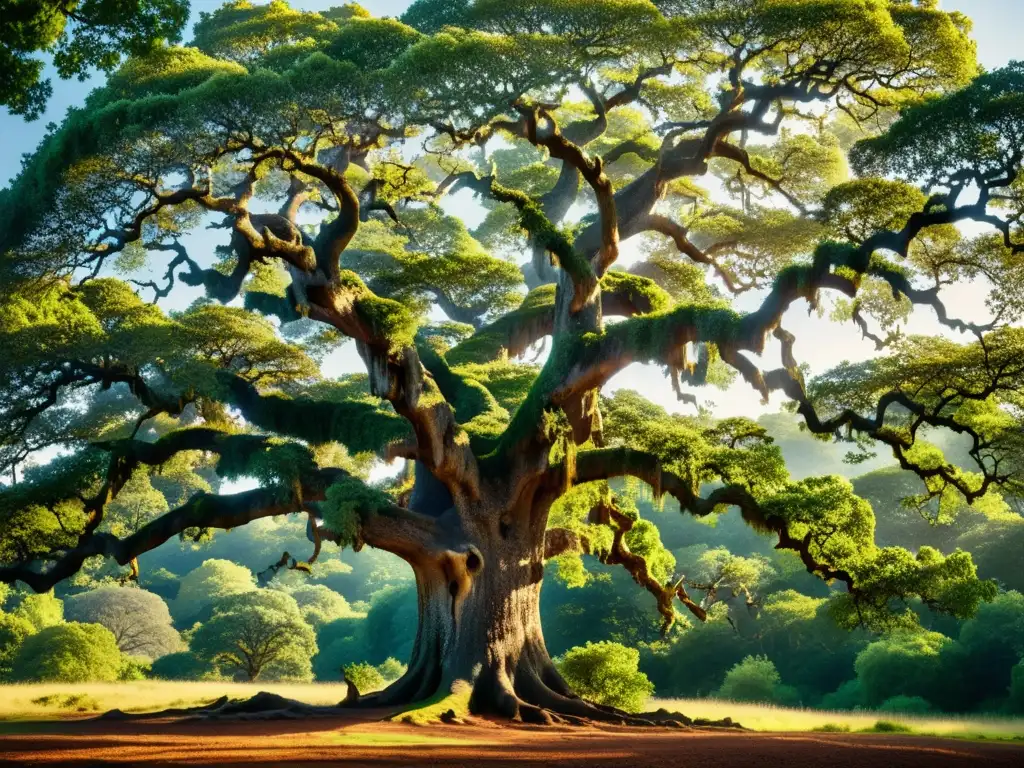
{"type": "Point", "coordinates": [479, 611]}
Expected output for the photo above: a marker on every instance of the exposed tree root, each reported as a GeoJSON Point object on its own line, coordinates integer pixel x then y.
{"type": "Point", "coordinates": [556, 710]}
{"type": "Point", "coordinates": [262, 706]}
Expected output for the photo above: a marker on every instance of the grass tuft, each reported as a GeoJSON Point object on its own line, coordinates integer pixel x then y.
{"type": "Point", "coordinates": [888, 726]}
{"type": "Point", "coordinates": [768, 717]}
{"type": "Point", "coordinates": [832, 728]}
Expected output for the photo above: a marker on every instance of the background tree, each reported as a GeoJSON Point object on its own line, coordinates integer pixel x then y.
{"type": "Point", "coordinates": [258, 635]}
{"type": "Point", "coordinates": [139, 620]}
{"type": "Point", "coordinates": [324, 149]}
{"type": "Point", "coordinates": [211, 582]}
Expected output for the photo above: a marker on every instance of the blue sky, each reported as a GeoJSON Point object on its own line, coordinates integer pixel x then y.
{"type": "Point", "coordinates": [821, 344]}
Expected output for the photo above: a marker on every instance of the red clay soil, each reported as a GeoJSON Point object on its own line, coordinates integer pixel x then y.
{"type": "Point", "coordinates": [484, 745]}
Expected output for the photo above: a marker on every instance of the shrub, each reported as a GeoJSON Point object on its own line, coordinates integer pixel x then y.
{"type": "Point", "coordinates": [365, 677]}
{"type": "Point", "coordinates": [391, 669]}
{"type": "Point", "coordinates": [134, 668]}
{"type": "Point", "coordinates": [79, 702]}
{"type": "Point", "coordinates": [607, 673]}
{"type": "Point", "coordinates": [888, 726]}
{"type": "Point", "coordinates": [183, 666]}
{"type": "Point", "coordinates": [904, 663]}
{"type": "Point", "coordinates": [909, 704]}
{"type": "Point", "coordinates": [69, 653]}
{"type": "Point", "coordinates": [753, 679]}
{"type": "Point", "coordinates": [848, 696]}
{"type": "Point", "coordinates": [832, 728]}
{"type": "Point", "coordinates": [13, 632]}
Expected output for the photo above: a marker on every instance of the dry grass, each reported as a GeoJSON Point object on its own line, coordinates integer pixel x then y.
{"type": "Point", "coordinates": [20, 701]}
{"type": "Point", "coordinates": [765, 717]}
{"type": "Point", "coordinates": [36, 702]}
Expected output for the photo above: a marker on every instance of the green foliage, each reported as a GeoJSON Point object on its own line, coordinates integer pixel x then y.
{"type": "Point", "coordinates": [250, 130]}
{"type": "Point", "coordinates": [391, 669]}
{"type": "Point", "coordinates": [212, 581]}
{"type": "Point", "coordinates": [183, 665]}
{"type": "Point", "coordinates": [431, 15]}
{"type": "Point", "coordinates": [80, 36]}
{"type": "Point", "coordinates": [68, 653]}
{"type": "Point", "coordinates": [78, 702]}
{"type": "Point", "coordinates": [913, 705]}
{"type": "Point", "coordinates": [888, 726]}
{"type": "Point", "coordinates": [1017, 688]}
{"type": "Point", "coordinates": [134, 668]}
{"type": "Point", "coordinates": [973, 128]}
{"type": "Point", "coordinates": [14, 630]}
{"type": "Point", "coordinates": [40, 611]}
{"type": "Point", "coordinates": [607, 673]}
{"type": "Point", "coordinates": [139, 620]}
{"type": "Point", "coordinates": [754, 679]}
{"type": "Point", "coordinates": [365, 677]}
{"type": "Point", "coordinates": [348, 499]}
{"type": "Point", "coordinates": [319, 604]}
{"type": "Point", "coordinates": [258, 635]}
{"type": "Point", "coordinates": [904, 663]}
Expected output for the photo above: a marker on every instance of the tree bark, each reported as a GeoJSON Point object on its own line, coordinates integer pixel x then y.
{"type": "Point", "coordinates": [478, 592]}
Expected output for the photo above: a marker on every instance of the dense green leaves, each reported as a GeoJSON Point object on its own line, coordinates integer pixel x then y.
{"type": "Point", "coordinates": [80, 35]}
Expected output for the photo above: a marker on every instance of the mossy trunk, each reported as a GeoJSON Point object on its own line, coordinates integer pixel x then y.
{"type": "Point", "coordinates": [479, 621]}
{"type": "Point", "coordinates": [478, 586]}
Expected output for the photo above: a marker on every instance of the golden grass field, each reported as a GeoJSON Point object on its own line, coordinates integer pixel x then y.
{"type": "Point", "coordinates": [46, 701]}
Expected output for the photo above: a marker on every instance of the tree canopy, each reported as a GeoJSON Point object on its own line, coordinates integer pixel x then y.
{"type": "Point", "coordinates": [184, 253]}
{"type": "Point", "coordinates": [79, 35]}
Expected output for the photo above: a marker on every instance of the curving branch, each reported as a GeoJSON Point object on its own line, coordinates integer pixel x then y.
{"type": "Point", "coordinates": [608, 463]}
{"type": "Point", "coordinates": [559, 541]}
{"type": "Point", "coordinates": [392, 528]}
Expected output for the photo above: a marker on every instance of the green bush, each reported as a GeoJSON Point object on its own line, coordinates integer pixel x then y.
{"type": "Point", "coordinates": [832, 728]}
{"type": "Point", "coordinates": [909, 704]}
{"type": "Point", "coordinates": [183, 666]}
{"type": "Point", "coordinates": [903, 663]}
{"type": "Point", "coordinates": [888, 726]}
{"type": "Point", "coordinates": [391, 669]}
{"type": "Point", "coordinates": [365, 677]}
{"type": "Point", "coordinates": [607, 673]}
{"type": "Point", "coordinates": [1017, 688]}
{"type": "Point", "coordinates": [134, 668]}
{"type": "Point", "coordinates": [69, 653]}
{"type": "Point", "coordinates": [753, 679]}
{"type": "Point", "coordinates": [13, 632]}
{"type": "Point", "coordinates": [848, 696]}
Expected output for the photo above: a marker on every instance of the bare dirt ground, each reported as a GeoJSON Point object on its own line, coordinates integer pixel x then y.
{"type": "Point", "coordinates": [353, 742]}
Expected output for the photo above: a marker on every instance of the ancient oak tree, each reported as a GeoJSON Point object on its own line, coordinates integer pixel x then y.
{"type": "Point", "coordinates": [499, 205]}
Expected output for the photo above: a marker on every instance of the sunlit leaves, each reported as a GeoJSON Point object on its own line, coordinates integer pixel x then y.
{"type": "Point", "coordinates": [95, 33]}
{"type": "Point", "coordinates": [976, 130]}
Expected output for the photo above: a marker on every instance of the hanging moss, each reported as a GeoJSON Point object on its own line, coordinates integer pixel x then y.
{"type": "Point", "coordinates": [357, 425]}
{"type": "Point", "coordinates": [347, 500]}
{"type": "Point", "coordinates": [487, 343]}
{"type": "Point", "coordinates": [639, 291]}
